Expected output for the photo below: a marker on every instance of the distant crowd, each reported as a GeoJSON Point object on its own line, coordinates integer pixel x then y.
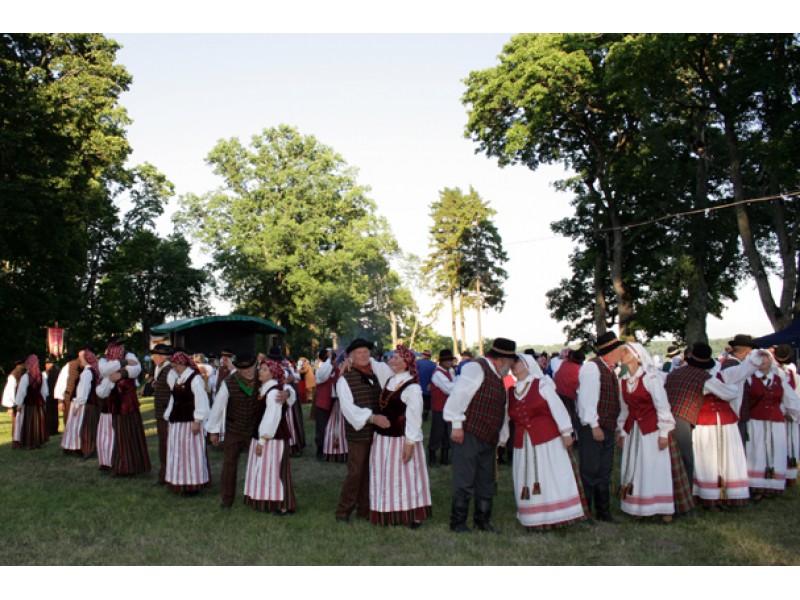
{"type": "Point", "coordinates": [690, 429]}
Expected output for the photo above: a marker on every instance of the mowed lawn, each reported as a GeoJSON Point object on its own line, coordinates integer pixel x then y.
{"type": "Point", "coordinates": [60, 510]}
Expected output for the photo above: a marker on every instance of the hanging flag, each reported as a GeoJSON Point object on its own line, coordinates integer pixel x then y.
{"type": "Point", "coordinates": [55, 341]}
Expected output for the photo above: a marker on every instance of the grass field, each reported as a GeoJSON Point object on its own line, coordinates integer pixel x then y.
{"type": "Point", "coordinates": [60, 510]}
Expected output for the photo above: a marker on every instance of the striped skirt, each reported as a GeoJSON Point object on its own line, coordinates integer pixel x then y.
{"type": "Point", "coordinates": [187, 462]}
{"type": "Point", "coordinates": [105, 440]}
{"type": "Point", "coordinates": [766, 456]}
{"type": "Point", "coordinates": [399, 493]}
{"type": "Point", "coordinates": [268, 479]}
{"type": "Point", "coordinates": [294, 416]}
{"type": "Point", "coordinates": [130, 455]}
{"type": "Point", "coordinates": [334, 446]}
{"type": "Point", "coordinates": [647, 471]}
{"type": "Point", "coordinates": [720, 466]}
{"type": "Point", "coordinates": [792, 447]}
{"type": "Point", "coordinates": [91, 416]}
{"type": "Point", "coordinates": [71, 440]}
{"type": "Point", "coordinates": [546, 485]}
{"type": "Point", "coordinates": [30, 427]}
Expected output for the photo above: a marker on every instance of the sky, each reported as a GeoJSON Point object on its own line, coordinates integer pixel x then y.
{"type": "Point", "coordinates": [388, 103]}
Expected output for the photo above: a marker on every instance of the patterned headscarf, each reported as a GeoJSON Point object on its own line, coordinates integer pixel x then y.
{"type": "Point", "coordinates": [181, 358]}
{"type": "Point", "coordinates": [115, 351]}
{"type": "Point", "coordinates": [34, 371]}
{"type": "Point", "coordinates": [91, 360]}
{"type": "Point", "coordinates": [276, 371]}
{"type": "Point", "coordinates": [409, 358]}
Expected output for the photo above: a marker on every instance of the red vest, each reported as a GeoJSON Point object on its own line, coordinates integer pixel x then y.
{"type": "Point", "coordinates": [640, 409]}
{"type": "Point", "coordinates": [713, 407]}
{"type": "Point", "coordinates": [531, 414]}
{"type": "Point", "coordinates": [325, 391]}
{"type": "Point", "coordinates": [765, 402]}
{"type": "Point", "coordinates": [438, 397]}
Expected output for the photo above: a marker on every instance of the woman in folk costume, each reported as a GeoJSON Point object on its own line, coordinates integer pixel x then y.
{"type": "Point", "coordinates": [129, 446]}
{"type": "Point", "coordinates": [399, 490]}
{"type": "Point", "coordinates": [268, 481]}
{"type": "Point", "coordinates": [30, 429]}
{"type": "Point", "coordinates": [771, 397]}
{"type": "Point", "coordinates": [653, 478]}
{"type": "Point", "coordinates": [547, 486]}
{"type": "Point", "coordinates": [784, 354]}
{"type": "Point", "coordinates": [80, 434]}
{"type": "Point", "coordinates": [187, 463]}
{"type": "Point", "coordinates": [334, 444]}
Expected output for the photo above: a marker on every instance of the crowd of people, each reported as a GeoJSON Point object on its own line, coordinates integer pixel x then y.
{"type": "Point", "coordinates": [692, 430]}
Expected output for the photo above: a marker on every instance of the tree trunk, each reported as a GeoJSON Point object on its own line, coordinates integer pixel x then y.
{"type": "Point", "coordinates": [600, 305]}
{"type": "Point", "coordinates": [393, 320]}
{"type": "Point", "coordinates": [453, 323]}
{"type": "Point", "coordinates": [697, 293]}
{"type": "Point", "coordinates": [461, 320]}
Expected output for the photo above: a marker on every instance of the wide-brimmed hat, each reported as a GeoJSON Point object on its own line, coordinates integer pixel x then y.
{"type": "Point", "coordinates": [673, 351]}
{"type": "Point", "coordinates": [503, 348]}
{"type": "Point", "coordinates": [743, 340]}
{"type": "Point", "coordinates": [700, 356]}
{"type": "Point", "coordinates": [608, 342]}
{"type": "Point", "coordinates": [244, 360]}
{"type": "Point", "coordinates": [359, 343]}
{"type": "Point", "coordinates": [275, 354]}
{"type": "Point", "coordinates": [783, 353]}
{"type": "Point", "coordinates": [162, 349]}
{"type": "Point", "coordinates": [426, 353]}
{"type": "Point", "coordinates": [446, 355]}
{"type": "Point", "coordinates": [227, 352]}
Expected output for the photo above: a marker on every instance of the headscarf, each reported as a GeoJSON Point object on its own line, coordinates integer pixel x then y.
{"type": "Point", "coordinates": [91, 360]}
{"type": "Point", "coordinates": [409, 358]}
{"type": "Point", "coordinates": [181, 358]}
{"type": "Point", "coordinates": [276, 371]}
{"type": "Point", "coordinates": [115, 351]}
{"type": "Point", "coordinates": [643, 356]}
{"type": "Point", "coordinates": [34, 371]}
{"type": "Point", "coordinates": [534, 373]}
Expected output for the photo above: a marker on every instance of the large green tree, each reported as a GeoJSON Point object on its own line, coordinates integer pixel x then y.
{"type": "Point", "coordinates": [293, 236]}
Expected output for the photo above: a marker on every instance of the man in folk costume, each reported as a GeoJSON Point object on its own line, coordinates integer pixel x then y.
{"type": "Point", "coordinates": [598, 409]}
{"type": "Point", "coordinates": [330, 436]}
{"type": "Point", "coordinates": [442, 382]}
{"type": "Point", "coordinates": [358, 388]}
{"type": "Point", "coordinates": [784, 355]}
{"type": "Point", "coordinates": [225, 368]}
{"type": "Point", "coordinates": [160, 356]}
{"type": "Point", "coordinates": [686, 388]}
{"type": "Point", "coordinates": [672, 352]}
{"type": "Point", "coordinates": [10, 389]}
{"type": "Point", "coordinates": [66, 386]}
{"type": "Point", "coordinates": [476, 409]}
{"type": "Point", "coordinates": [30, 427]}
{"type": "Point", "coordinates": [130, 455]}
{"type": "Point", "coordinates": [740, 347]}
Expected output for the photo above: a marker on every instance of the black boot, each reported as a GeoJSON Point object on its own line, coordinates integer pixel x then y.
{"type": "Point", "coordinates": [320, 456]}
{"type": "Point", "coordinates": [458, 514]}
{"type": "Point", "coordinates": [432, 458]}
{"type": "Point", "coordinates": [445, 457]}
{"type": "Point", "coordinates": [602, 497]}
{"type": "Point", "coordinates": [483, 514]}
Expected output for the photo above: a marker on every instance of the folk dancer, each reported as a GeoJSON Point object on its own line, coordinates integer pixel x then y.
{"type": "Point", "coordinates": [331, 438]}
{"type": "Point", "coordinates": [442, 382]}
{"type": "Point", "coordinates": [30, 428]}
{"type": "Point", "coordinates": [80, 434]}
{"type": "Point", "coordinates": [162, 392]}
{"type": "Point", "coordinates": [784, 354]}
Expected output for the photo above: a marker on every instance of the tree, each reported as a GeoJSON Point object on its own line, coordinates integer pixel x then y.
{"type": "Point", "coordinates": [292, 234]}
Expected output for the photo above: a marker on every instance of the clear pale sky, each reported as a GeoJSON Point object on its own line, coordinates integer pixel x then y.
{"type": "Point", "coordinates": [389, 103]}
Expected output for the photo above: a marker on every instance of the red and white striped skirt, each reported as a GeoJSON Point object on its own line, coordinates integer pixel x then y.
{"type": "Point", "coordinates": [262, 481]}
{"type": "Point", "coordinates": [16, 435]}
{"type": "Point", "coordinates": [399, 493]}
{"type": "Point", "coordinates": [105, 440]}
{"type": "Point", "coordinates": [187, 464]}
{"type": "Point", "coordinates": [71, 440]}
{"type": "Point", "coordinates": [334, 446]}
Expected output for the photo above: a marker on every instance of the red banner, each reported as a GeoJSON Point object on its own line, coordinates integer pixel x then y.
{"type": "Point", "coordinates": [55, 341]}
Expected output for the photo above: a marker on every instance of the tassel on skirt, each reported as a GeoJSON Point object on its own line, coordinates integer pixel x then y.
{"type": "Point", "coordinates": [720, 466]}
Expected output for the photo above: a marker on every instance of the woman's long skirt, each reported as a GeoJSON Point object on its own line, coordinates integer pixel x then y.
{"type": "Point", "coordinates": [71, 440]}
{"type": "Point", "coordinates": [30, 427]}
{"type": "Point", "coordinates": [646, 476]}
{"type": "Point", "coordinates": [268, 480]}
{"type": "Point", "coordinates": [187, 462]}
{"type": "Point", "coordinates": [334, 446]}
{"type": "Point", "coordinates": [105, 440]}
{"type": "Point", "coordinates": [546, 485]}
{"type": "Point", "coordinates": [399, 493]}
{"type": "Point", "coordinates": [720, 466]}
{"type": "Point", "coordinates": [130, 455]}
{"type": "Point", "coordinates": [766, 456]}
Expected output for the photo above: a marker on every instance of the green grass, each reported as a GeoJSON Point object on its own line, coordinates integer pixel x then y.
{"type": "Point", "coordinates": [59, 510]}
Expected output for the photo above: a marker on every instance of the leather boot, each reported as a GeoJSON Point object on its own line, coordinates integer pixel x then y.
{"type": "Point", "coordinates": [458, 514]}
{"type": "Point", "coordinates": [445, 457]}
{"type": "Point", "coordinates": [483, 514]}
{"type": "Point", "coordinates": [432, 462]}
{"type": "Point", "coordinates": [602, 498]}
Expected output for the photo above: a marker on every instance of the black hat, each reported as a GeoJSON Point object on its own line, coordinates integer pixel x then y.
{"type": "Point", "coordinates": [163, 349]}
{"type": "Point", "coordinates": [743, 340]}
{"type": "Point", "coordinates": [673, 351]}
{"type": "Point", "coordinates": [227, 352]}
{"type": "Point", "coordinates": [607, 342]}
{"type": "Point", "coordinates": [244, 360]}
{"type": "Point", "coordinates": [359, 343]}
{"type": "Point", "coordinates": [700, 356]}
{"type": "Point", "coordinates": [783, 353]}
{"type": "Point", "coordinates": [503, 348]}
{"type": "Point", "coordinates": [115, 340]}
{"type": "Point", "coordinates": [446, 355]}
{"type": "Point", "coordinates": [275, 354]}
{"type": "Point", "coordinates": [576, 356]}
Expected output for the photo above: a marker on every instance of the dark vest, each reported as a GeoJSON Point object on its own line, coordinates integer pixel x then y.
{"type": "Point", "coordinates": [365, 395]}
{"type": "Point", "coordinates": [608, 402]}
{"type": "Point", "coordinates": [161, 391]}
{"type": "Point", "coordinates": [33, 396]}
{"type": "Point", "coordinates": [486, 410]}
{"type": "Point", "coordinates": [684, 389]}
{"type": "Point", "coordinates": [183, 401]}
{"type": "Point", "coordinates": [391, 405]}
{"type": "Point", "coordinates": [244, 411]}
